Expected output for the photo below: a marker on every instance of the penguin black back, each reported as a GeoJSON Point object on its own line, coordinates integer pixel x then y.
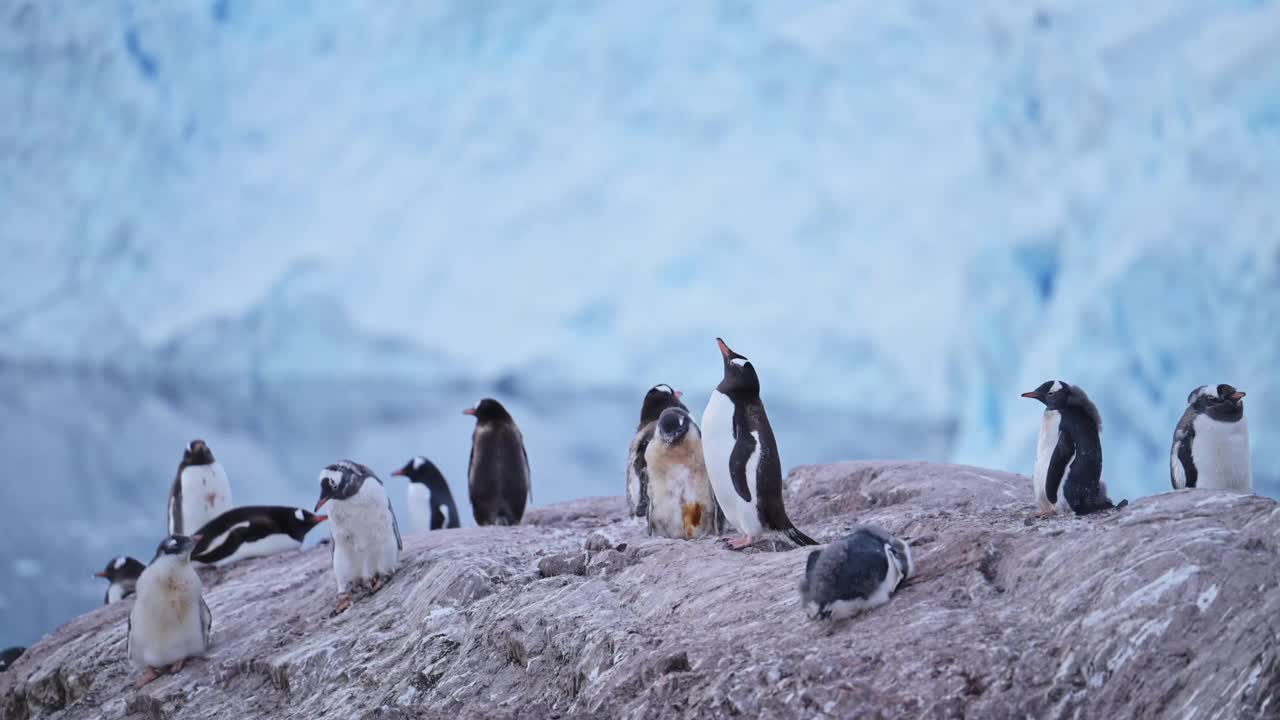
{"type": "Point", "coordinates": [659, 398]}
{"type": "Point", "coordinates": [223, 536]}
{"type": "Point", "coordinates": [9, 655]}
{"type": "Point", "coordinates": [1075, 468]}
{"type": "Point", "coordinates": [498, 471]}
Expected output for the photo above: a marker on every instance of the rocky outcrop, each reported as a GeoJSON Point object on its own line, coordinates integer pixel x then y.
{"type": "Point", "coordinates": [1166, 608]}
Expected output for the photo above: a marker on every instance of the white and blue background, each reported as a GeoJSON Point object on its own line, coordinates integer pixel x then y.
{"type": "Point", "coordinates": [315, 230]}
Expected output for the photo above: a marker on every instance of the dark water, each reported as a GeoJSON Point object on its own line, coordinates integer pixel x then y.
{"type": "Point", "coordinates": [89, 460]}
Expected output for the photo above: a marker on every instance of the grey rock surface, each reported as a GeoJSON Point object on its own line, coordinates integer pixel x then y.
{"type": "Point", "coordinates": [1166, 608]}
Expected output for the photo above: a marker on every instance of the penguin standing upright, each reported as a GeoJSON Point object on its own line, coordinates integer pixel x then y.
{"type": "Point", "coordinates": [431, 505]}
{"type": "Point", "coordinates": [1068, 471]}
{"type": "Point", "coordinates": [855, 573]}
{"type": "Point", "coordinates": [659, 398]}
{"type": "Point", "coordinates": [681, 504]}
{"type": "Point", "coordinates": [742, 456]}
{"type": "Point", "coordinates": [366, 538]}
{"type": "Point", "coordinates": [253, 531]}
{"type": "Point", "coordinates": [200, 490]}
{"type": "Point", "coordinates": [1211, 442]}
{"type": "Point", "coordinates": [498, 472]}
{"type": "Point", "coordinates": [122, 575]}
{"type": "Point", "coordinates": [169, 621]}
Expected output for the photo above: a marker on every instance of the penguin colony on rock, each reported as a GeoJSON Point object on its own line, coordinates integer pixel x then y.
{"type": "Point", "coordinates": [683, 479]}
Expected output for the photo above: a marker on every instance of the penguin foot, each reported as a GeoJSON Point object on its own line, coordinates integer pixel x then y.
{"type": "Point", "coordinates": [344, 604]}
{"type": "Point", "coordinates": [1042, 513]}
{"type": "Point", "coordinates": [148, 676]}
{"type": "Point", "coordinates": [740, 542]}
{"type": "Point", "coordinates": [377, 583]}
{"type": "Point", "coordinates": [177, 667]}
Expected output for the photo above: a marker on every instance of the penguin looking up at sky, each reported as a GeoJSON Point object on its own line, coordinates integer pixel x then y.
{"type": "Point", "coordinates": [659, 398]}
{"type": "Point", "coordinates": [122, 576]}
{"type": "Point", "coordinates": [366, 539]}
{"type": "Point", "coordinates": [742, 456]}
{"type": "Point", "coordinates": [200, 490]}
{"type": "Point", "coordinates": [431, 505]}
{"type": "Point", "coordinates": [169, 621]}
{"type": "Point", "coordinates": [1211, 442]}
{"type": "Point", "coordinates": [253, 531]}
{"type": "Point", "coordinates": [1068, 470]}
{"type": "Point", "coordinates": [855, 573]}
{"type": "Point", "coordinates": [498, 472]}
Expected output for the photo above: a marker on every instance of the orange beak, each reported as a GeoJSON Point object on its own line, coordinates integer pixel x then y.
{"type": "Point", "coordinates": [398, 473]}
{"type": "Point", "coordinates": [100, 573]}
{"type": "Point", "coordinates": [724, 349]}
{"type": "Point", "coordinates": [679, 394]}
{"type": "Point", "coordinates": [1238, 395]}
{"type": "Point", "coordinates": [321, 518]}
{"type": "Point", "coordinates": [469, 411]}
{"type": "Point", "coordinates": [196, 538]}
{"type": "Point", "coordinates": [319, 503]}
{"type": "Point", "coordinates": [1033, 395]}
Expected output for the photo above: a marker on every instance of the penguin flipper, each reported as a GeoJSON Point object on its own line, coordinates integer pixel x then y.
{"type": "Point", "coordinates": [175, 505]}
{"type": "Point", "coordinates": [1062, 454]}
{"type": "Point", "coordinates": [743, 449]}
{"type": "Point", "coordinates": [395, 526]}
{"type": "Point", "coordinates": [1188, 466]}
{"type": "Point", "coordinates": [641, 468]}
{"type": "Point", "coordinates": [206, 621]}
{"type": "Point", "coordinates": [527, 474]}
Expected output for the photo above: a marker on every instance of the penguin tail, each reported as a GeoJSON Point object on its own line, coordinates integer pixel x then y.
{"type": "Point", "coordinates": [1123, 504]}
{"type": "Point", "coordinates": [794, 535]}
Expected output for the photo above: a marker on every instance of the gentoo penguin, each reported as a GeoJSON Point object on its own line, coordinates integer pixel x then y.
{"type": "Point", "coordinates": [1068, 472]}
{"type": "Point", "coordinates": [659, 398]}
{"type": "Point", "coordinates": [169, 621]}
{"type": "Point", "coordinates": [200, 490]}
{"type": "Point", "coordinates": [431, 505]}
{"type": "Point", "coordinates": [1211, 442]}
{"type": "Point", "coordinates": [855, 573]}
{"type": "Point", "coordinates": [122, 574]}
{"type": "Point", "coordinates": [681, 504]}
{"type": "Point", "coordinates": [253, 531]}
{"type": "Point", "coordinates": [9, 655]}
{"type": "Point", "coordinates": [366, 538]}
{"type": "Point", "coordinates": [498, 472]}
{"type": "Point", "coordinates": [742, 456]}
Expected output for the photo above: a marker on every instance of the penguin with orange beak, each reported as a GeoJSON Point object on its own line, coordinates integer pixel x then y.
{"type": "Point", "coordinates": [659, 398]}
{"type": "Point", "coordinates": [1211, 442]}
{"type": "Point", "coordinates": [498, 472]}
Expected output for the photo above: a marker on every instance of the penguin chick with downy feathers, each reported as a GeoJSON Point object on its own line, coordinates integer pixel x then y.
{"type": "Point", "coordinates": [366, 538]}
{"type": "Point", "coordinates": [169, 621]}
{"type": "Point", "coordinates": [498, 472]}
{"type": "Point", "coordinates": [1211, 442]}
{"type": "Point", "coordinates": [200, 491]}
{"type": "Point", "coordinates": [681, 504]}
{"type": "Point", "coordinates": [659, 398]}
{"type": "Point", "coordinates": [854, 574]}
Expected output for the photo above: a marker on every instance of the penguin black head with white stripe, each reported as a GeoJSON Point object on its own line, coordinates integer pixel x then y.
{"type": "Point", "coordinates": [431, 505]}
{"type": "Point", "coordinates": [742, 455]}
{"type": "Point", "coordinates": [252, 531]}
{"type": "Point", "coordinates": [1068, 470]}
{"type": "Point", "coordinates": [1211, 442]}
{"type": "Point", "coordinates": [122, 575]}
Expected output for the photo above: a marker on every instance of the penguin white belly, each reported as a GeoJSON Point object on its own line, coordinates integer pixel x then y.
{"type": "Point", "coordinates": [206, 494]}
{"type": "Point", "coordinates": [269, 545]}
{"type": "Point", "coordinates": [165, 622]}
{"type": "Point", "coordinates": [364, 542]}
{"type": "Point", "coordinates": [115, 593]}
{"type": "Point", "coordinates": [419, 507]}
{"type": "Point", "coordinates": [1220, 452]}
{"type": "Point", "coordinates": [1045, 446]}
{"type": "Point", "coordinates": [717, 447]}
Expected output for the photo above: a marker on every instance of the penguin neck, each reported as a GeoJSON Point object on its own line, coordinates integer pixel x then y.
{"type": "Point", "coordinates": [1225, 412]}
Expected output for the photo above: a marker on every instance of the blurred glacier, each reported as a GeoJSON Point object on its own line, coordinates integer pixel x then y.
{"type": "Point", "coordinates": [905, 213]}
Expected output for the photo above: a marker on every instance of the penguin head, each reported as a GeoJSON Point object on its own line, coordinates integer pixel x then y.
{"type": "Point", "coordinates": [739, 376]}
{"type": "Point", "coordinates": [488, 410]}
{"type": "Point", "coordinates": [197, 453]}
{"type": "Point", "coordinates": [674, 424]}
{"type": "Point", "coordinates": [176, 547]}
{"type": "Point", "coordinates": [300, 522]}
{"type": "Point", "coordinates": [342, 480]}
{"type": "Point", "coordinates": [121, 568]}
{"type": "Point", "coordinates": [420, 470]}
{"type": "Point", "coordinates": [659, 398]}
{"type": "Point", "coordinates": [1222, 402]}
{"type": "Point", "coordinates": [1053, 393]}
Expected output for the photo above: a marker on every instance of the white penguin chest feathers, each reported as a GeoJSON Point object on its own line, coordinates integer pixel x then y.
{"type": "Point", "coordinates": [1220, 451]}
{"type": "Point", "coordinates": [1049, 430]}
{"type": "Point", "coordinates": [166, 621]}
{"type": "Point", "coordinates": [717, 448]}
{"type": "Point", "coordinates": [364, 536]}
{"type": "Point", "coordinates": [206, 494]}
{"type": "Point", "coordinates": [420, 507]}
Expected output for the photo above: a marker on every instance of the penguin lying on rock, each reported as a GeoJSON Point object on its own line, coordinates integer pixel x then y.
{"type": "Point", "coordinates": [253, 531]}
{"type": "Point", "coordinates": [9, 656]}
{"type": "Point", "coordinates": [854, 574]}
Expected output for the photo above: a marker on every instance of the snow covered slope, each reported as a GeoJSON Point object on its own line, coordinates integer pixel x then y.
{"type": "Point", "coordinates": [919, 209]}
